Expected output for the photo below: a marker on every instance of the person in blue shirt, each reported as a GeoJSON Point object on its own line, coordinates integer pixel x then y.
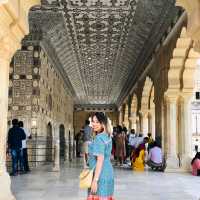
{"type": "Point", "coordinates": [102, 187]}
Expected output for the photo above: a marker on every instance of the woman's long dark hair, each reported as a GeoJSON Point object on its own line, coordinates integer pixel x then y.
{"type": "Point", "coordinates": [102, 118]}
{"type": "Point", "coordinates": [197, 156]}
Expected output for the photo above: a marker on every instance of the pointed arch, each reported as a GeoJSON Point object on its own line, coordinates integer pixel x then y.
{"type": "Point", "coordinates": [181, 87]}
{"type": "Point", "coordinates": [145, 95]}
{"type": "Point", "coordinates": [145, 105]}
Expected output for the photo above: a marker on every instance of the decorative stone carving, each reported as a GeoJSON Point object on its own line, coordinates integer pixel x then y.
{"type": "Point", "coordinates": [100, 42]}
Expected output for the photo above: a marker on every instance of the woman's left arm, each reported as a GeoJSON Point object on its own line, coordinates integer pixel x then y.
{"type": "Point", "coordinates": [94, 186]}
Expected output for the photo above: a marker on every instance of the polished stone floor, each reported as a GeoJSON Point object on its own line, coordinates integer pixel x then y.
{"type": "Point", "coordinates": [42, 184]}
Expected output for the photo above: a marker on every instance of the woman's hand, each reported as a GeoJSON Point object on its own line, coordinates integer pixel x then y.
{"type": "Point", "coordinates": [94, 187]}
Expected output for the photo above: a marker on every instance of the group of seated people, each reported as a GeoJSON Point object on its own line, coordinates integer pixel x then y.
{"type": "Point", "coordinates": [148, 152]}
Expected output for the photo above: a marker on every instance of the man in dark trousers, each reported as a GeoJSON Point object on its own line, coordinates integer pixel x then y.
{"type": "Point", "coordinates": [24, 147]}
{"type": "Point", "coordinates": [15, 137]}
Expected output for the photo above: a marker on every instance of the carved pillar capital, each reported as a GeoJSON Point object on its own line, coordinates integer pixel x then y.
{"type": "Point", "coordinates": [171, 95]}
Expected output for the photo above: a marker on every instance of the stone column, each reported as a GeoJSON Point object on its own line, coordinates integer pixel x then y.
{"type": "Point", "coordinates": [133, 121]}
{"type": "Point", "coordinates": [56, 166]}
{"type": "Point", "coordinates": [67, 146]}
{"type": "Point", "coordinates": [66, 151]}
{"type": "Point", "coordinates": [145, 123]}
{"type": "Point", "coordinates": [120, 117]}
{"type": "Point", "coordinates": [5, 192]}
{"type": "Point", "coordinates": [137, 125]}
{"type": "Point", "coordinates": [74, 147]}
{"type": "Point", "coordinates": [187, 134]}
{"type": "Point", "coordinates": [129, 123]}
{"type": "Point", "coordinates": [153, 123]}
{"type": "Point", "coordinates": [172, 159]}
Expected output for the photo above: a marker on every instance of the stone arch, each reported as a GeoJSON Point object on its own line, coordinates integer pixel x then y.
{"type": "Point", "coordinates": [49, 143]}
{"type": "Point", "coordinates": [62, 141]}
{"type": "Point", "coordinates": [13, 26]}
{"type": "Point", "coordinates": [146, 94]}
{"type": "Point", "coordinates": [177, 63]}
{"type": "Point", "coordinates": [180, 81]}
{"type": "Point", "coordinates": [193, 22]}
{"type": "Point", "coordinates": [144, 111]}
{"type": "Point", "coordinates": [191, 70]}
{"type": "Point", "coordinates": [191, 80]}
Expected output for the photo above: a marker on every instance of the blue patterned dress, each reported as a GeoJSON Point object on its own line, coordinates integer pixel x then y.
{"type": "Point", "coordinates": [102, 145]}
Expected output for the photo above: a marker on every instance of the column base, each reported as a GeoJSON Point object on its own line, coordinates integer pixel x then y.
{"type": "Point", "coordinates": [5, 189]}
{"type": "Point", "coordinates": [56, 169]}
{"type": "Point", "coordinates": [172, 164]}
{"type": "Point", "coordinates": [186, 163]}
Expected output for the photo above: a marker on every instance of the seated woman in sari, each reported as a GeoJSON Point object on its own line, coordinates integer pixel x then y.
{"type": "Point", "coordinates": [139, 157]}
{"type": "Point", "coordinates": [196, 165]}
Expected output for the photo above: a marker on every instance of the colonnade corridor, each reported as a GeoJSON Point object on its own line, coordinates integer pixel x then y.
{"type": "Point", "coordinates": [137, 61]}
{"type": "Point", "coordinates": [43, 184]}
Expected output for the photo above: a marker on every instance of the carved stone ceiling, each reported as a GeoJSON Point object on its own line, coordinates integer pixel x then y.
{"type": "Point", "coordinates": [98, 45]}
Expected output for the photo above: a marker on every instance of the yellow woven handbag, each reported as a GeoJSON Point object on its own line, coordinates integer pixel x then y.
{"type": "Point", "coordinates": [85, 178]}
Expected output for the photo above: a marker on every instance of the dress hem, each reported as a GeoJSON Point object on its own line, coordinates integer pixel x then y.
{"type": "Point", "coordinates": [95, 197]}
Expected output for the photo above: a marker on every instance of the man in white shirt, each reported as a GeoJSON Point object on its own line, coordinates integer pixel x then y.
{"type": "Point", "coordinates": [24, 147]}
{"type": "Point", "coordinates": [131, 138]}
{"type": "Point", "coordinates": [155, 159]}
{"type": "Point", "coordinates": [139, 140]}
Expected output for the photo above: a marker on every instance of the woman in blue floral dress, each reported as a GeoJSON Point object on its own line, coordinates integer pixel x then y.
{"type": "Point", "coordinates": [102, 187]}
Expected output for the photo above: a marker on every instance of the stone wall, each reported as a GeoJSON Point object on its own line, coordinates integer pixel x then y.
{"type": "Point", "coordinates": [39, 97]}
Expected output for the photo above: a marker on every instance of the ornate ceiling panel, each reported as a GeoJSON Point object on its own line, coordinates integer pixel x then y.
{"type": "Point", "coordinates": [99, 44]}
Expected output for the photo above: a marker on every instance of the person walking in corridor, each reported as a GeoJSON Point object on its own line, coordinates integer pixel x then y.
{"type": "Point", "coordinates": [15, 137]}
{"type": "Point", "coordinates": [102, 187]}
{"type": "Point", "coordinates": [87, 138]}
{"type": "Point", "coordinates": [24, 147]}
{"type": "Point", "coordinates": [120, 146]}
